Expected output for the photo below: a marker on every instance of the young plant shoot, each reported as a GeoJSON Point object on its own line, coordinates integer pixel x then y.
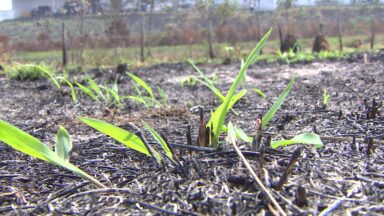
{"type": "Point", "coordinates": [305, 138]}
{"type": "Point", "coordinates": [272, 111]}
{"type": "Point", "coordinates": [218, 116]}
{"type": "Point", "coordinates": [27, 144]}
{"type": "Point", "coordinates": [123, 136]}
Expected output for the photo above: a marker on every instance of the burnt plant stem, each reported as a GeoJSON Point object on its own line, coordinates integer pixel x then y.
{"type": "Point", "coordinates": [256, 143]}
{"type": "Point", "coordinates": [370, 147]}
{"type": "Point", "coordinates": [261, 163]}
{"type": "Point", "coordinates": [295, 157]}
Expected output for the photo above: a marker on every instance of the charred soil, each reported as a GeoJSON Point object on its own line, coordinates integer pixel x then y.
{"type": "Point", "coordinates": [343, 176]}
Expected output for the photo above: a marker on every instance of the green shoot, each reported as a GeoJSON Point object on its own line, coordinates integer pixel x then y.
{"type": "Point", "coordinates": [306, 138]}
{"type": "Point", "coordinates": [259, 92]}
{"type": "Point", "coordinates": [207, 82]}
{"type": "Point", "coordinates": [240, 134]}
{"type": "Point", "coordinates": [164, 97]}
{"type": "Point", "coordinates": [95, 87]}
{"type": "Point", "coordinates": [142, 84]}
{"type": "Point", "coordinates": [73, 91]}
{"type": "Point", "coordinates": [190, 81]}
{"type": "Point", "coordinates": [27, 144]}
{"type": "Point", "coordinates": [88, 92]}
{"type": "Point", "coordinates": [272, 111]}
{"type": "Point", "coordinates": [326, 97]}
{"type": "Point", "coordinates": [63, 144]}
{"type": "Point", "coordinates": [231, 134]}
{"type": "Point", "coordinates": [159, 139]}
{"type": "Point", "coordinates": [138, 100]}
{"type": "Point", "coordinates": [127, 138]}
{"type": "Point", "coordinates": [148, 101]}
{"type": "Point", "coordinates": [218, 117]}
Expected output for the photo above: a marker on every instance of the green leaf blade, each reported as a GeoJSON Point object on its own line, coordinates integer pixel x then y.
{"type": "Point", "coordinates": [25, 143]}
{"type": "Point", "coordinates": [143, 84]}
{"type": "Point", "coordinates": [88, 92]}
{"type": "Point", "coordinates": [63, 144]}
{"type": "Point", "coordinates": [272, 111]}
{"type": "Point", "coordinates": [159, 139]}
{"type": "Point", "coordinates": [128, 139]}
{"type": "Point", "coordinates": [306, 138]}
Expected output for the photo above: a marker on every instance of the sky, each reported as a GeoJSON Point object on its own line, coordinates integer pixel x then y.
{"type": "Point", "coordinates": [5, 4]}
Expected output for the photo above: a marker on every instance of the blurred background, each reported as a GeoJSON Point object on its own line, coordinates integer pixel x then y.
{"type": "Point", "coordinates": [137, 32]}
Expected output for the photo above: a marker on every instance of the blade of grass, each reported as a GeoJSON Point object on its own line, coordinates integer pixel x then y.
{"type": "Point", "coordinates": [207, 82]}
{"type": "Point", "coordinates": [73, 91]}
{"type": "Point", "coordinates": [272, 111]}
{"type": "Point", "coordinates": [88, 92]}
{"type": "Point", "coordinates": [63, 144]}
{"type": "Point", "coordinates": [259, 92]}
{"type": "Point", "coordinates": [27, 144]}
{"type": "Point", "coordinates": [142, 84]}
{"type": "Point", "coordinates": [93, 85]}
{"type": "Point", "coordinates": [138, 99]}
{"type": "Point", "coordinates": [306, 138]}
{"type": "Point", "coordinates": [159, 139]}
{"type": "Point", "coordinates": [127, 138]}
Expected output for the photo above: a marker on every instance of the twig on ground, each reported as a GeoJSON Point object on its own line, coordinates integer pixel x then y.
{"type": "Point", "coordinates": [262, 187]}
{"type": "Point", "coordinates": [332, 207]}
{"type": "Point", "coordinates": [336, 197]}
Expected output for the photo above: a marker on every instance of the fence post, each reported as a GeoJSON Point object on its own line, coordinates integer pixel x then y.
{"type": "Point", "coordinates": [339, 34]}
{"type": "Point", "coordinates": [211, 54]}
{"type": "Point", "coordinates": [64, 47]}
{"type": "Point", "coordinates": [372, 33]}
{"type": "Point", "coordinates": [142, 38]}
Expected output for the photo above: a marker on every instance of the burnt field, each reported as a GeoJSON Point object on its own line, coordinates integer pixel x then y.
{"type": "Point", "coordinates": [344, 177]}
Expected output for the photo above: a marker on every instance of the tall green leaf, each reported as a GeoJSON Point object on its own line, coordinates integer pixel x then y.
{"type": "Point", "coordinates": [207, 82]}
{"type": "Point", "coordinates": [221, 112]}
{"type": "Point", "coordinates": [127, 138]}
{"type": "Point", "coordinates": [63, 144]}
{"type": "Point", "coordinates": [159, 139]}
{"type": "Point", "coordinates": [73, 91]}
{"type": "Point", "coordinates": [142, 84]}
{"type": "Point", "coordinates": [27, 144]}
{"type": "Point", "coordinates": [306, 138]}
{"type": "Point", "coordinates": [272, 111]}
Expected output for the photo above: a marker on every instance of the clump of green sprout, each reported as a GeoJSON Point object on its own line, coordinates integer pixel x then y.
{"type": "Point", "coordinates": [146, 97]}
{"type": "Point", "coordinates": [29, 71]}
{"type": "Point", "coordinates": [326, 97]}
{"type": "Point", "coordinates": [102, 93]}
{"type": "Point", "coordinates": [217, 119]}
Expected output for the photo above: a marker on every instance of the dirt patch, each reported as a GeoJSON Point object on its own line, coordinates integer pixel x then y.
{"type": "Point", "coordinates": [341, 174]}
